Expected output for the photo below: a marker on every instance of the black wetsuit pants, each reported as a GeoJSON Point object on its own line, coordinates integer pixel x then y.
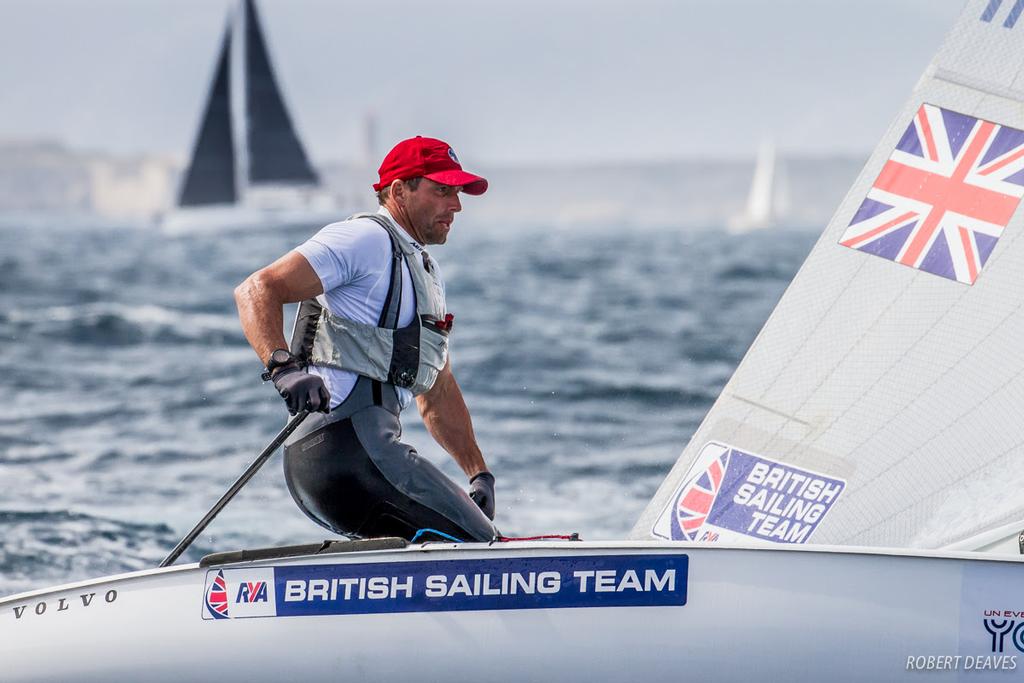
{"type": "Point", "coordinates": [349, 472]}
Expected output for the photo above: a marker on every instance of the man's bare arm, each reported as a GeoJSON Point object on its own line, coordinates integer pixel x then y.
{"type": "Point", "coordinates": [262, 295]}
{"type": "Point", "coordinates": [447, 419]}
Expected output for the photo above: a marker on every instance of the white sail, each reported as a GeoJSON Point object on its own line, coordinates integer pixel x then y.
{"type": "Point", "coordinates": [761, 210]}
{"type": "Point", "coordinates": [892, 363]}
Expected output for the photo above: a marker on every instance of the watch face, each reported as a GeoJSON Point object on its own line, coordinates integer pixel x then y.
{"type": "Point", "coordinates": [279, 357]}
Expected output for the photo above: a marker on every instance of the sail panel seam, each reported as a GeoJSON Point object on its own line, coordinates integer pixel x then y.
{"type": "Point", "coordinates": [978, 84]}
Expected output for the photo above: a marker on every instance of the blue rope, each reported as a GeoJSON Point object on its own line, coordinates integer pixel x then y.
{"type": "Point", "coordinates": [436, 532]}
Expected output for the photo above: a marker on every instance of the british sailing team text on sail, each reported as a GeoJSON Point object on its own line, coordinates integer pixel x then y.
{"type": "Point", "coordinates": [783, 499]}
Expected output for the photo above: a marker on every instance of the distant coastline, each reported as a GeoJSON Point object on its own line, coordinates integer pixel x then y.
{"type": "Point", "coordinates": [49, 178]}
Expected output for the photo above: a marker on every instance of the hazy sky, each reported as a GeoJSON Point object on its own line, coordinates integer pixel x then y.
{"type": "Point", "coordinates": [510, 81]}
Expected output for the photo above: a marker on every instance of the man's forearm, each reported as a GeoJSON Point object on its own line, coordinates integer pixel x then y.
{"type": "Point", "coordinates": [261, 314]}
{"type": "Point", "coordinates": [262, 296]}
{"type": "Point", "coordinates": [447, 419]}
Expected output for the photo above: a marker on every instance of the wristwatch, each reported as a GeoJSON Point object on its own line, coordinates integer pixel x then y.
{"type": "Point", "coordinates": [279, 358]}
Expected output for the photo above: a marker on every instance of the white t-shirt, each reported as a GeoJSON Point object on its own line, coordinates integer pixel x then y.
{"type": "Point", "coordinates": [353, 261]}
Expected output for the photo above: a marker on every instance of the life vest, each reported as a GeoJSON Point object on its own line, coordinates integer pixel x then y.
{"type": "Point", "coordinates": [409, 357]}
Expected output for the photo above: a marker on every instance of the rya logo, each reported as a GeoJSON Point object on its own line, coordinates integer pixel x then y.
{"type": "Point", "coordinates": [252, 591]}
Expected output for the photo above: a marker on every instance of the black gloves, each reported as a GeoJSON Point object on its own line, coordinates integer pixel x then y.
{"type": "Point", "coordinates": [302, 391]}
{"type": "Point", "coordinates": [481, 490]}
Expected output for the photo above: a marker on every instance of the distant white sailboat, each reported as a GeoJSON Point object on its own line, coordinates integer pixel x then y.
{"type": "Point", "coordinates": [248, 167]}
{"type": "Point", "coordinates": [766, 201]}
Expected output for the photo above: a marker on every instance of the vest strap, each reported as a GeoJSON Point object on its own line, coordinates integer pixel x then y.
{"type": "Point", "coordinates": [393, 301]}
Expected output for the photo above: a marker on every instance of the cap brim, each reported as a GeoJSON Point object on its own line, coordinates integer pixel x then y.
{"type": "Point", "coordinates": [471, 184]}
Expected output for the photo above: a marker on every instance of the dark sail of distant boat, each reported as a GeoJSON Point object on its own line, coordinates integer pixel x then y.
{"type": "Point", "coordinates": [210, 178]}
{"type": "Point", "coordinates": [273, 151]}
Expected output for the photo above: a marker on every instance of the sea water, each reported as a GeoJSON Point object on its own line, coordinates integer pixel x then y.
{"type": "Point", "coordinates": [129, 399]}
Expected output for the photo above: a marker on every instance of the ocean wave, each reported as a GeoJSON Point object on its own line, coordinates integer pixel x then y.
{"type": "Point", "coordinates": [644, 394]}
{"type": "Point", "coordinates": [117, 324]}
{"type": "Point", "coordinates": [44, 546]}
{"type": "Point", "coordinates": [747, 271]}
{"type": "Point", "coordinates": [35, 454]}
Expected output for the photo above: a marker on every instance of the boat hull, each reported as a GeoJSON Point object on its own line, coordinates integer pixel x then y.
{"type": "Point", "coordinates": [727, 614]}
{"type": "Point", "coordinates": [226, 219]}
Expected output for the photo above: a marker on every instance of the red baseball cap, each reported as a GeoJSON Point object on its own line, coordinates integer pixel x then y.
{"type": "Point", "coordinates": [429, 158]}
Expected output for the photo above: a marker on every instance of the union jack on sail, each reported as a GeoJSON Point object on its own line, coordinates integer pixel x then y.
{"type": "Point", "coordinates": [944, 196]}
{"type": "Point", "coordinates": [697, 498]}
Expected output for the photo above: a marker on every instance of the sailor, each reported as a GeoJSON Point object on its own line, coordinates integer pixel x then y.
{"type": "Point", "coordinates": [372, 334]}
